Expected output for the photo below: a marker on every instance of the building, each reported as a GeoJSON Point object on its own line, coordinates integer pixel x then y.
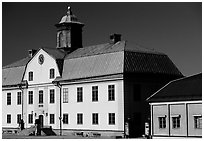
{"type": "Point", "coordinates": [91, 89]}
{"type": "Point", "coordinates": [176, 109]}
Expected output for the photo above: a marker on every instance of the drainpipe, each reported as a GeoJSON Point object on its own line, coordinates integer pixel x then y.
{"type": "Point", "coordinates": [60, 118]}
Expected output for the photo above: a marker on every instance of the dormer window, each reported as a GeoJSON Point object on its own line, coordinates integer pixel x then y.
{"type": "Point", "coordinates": [30, 76]}
{"type": "Point", "coordinates": [52, 73]}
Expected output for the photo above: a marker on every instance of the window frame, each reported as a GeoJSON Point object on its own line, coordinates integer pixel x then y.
{"type": "Point", "coordinates": [8, 118]}
{"type": "Point", "coordinates": [30, 97]}
{"type": "Point", "coordinates": [18, 118]}
{"type": "Point", "coordinates": [111, 92]}
{"type": "Point", "coordinates": [176, 122]}
{"type": "Point", "coordinates": [52, 96]}
{"type": "Point", "coordinates": [65, 95]}
{"type": "Point", "coordinates": [197, 121]}
{"type": "Point", "coordinates": [52, 73]}
{"type": "Point", "coordinates": [18, 98]}
{"type": "Point", "coordinates": [95, 118]}
{"type": "Point", "coordinates": [40, 97]}
{"type": "Point", "coordinates": [111, 118]}
{"type": "Point", "coordinates": [8, 98]}
{"type": "Point", "coordinates": [30, 118]}
{"type": "Point", "coordinates": [65, 118]}
{"type": "Point", "coordinates": [52, 118]}
{"type": "Point", "coordinates": [79, 118]}
{"type": "Point", "coordinates": [30, 76]}
{"type": "Point", "coordinates": [94, 93]}
{"type": "Point", "coordinates": [79, 94]}
{"type": "Point", "coordinates": [162, 122]}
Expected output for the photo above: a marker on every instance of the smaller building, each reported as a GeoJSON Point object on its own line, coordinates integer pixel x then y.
{"type": "Point", "coordinates": [176, 109]}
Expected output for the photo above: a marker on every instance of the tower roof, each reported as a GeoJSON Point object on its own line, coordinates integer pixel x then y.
{"type": "Point", "coordinates": [69, 17]}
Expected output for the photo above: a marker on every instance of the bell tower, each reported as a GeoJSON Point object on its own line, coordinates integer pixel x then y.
{"type": "Point", "coordinates": [69, 32]}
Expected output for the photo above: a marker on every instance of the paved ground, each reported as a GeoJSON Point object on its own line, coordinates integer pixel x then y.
{"type": "Point", "coordinates": [11, 136]}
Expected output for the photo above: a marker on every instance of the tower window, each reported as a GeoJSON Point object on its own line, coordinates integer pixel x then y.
{"type": "Point", "coordinates": [30, 76]}
{"type": "Point", "coordinates": [111, 92]}
{"type": "Point", "coordinates": [52, 73]}
{"type": "Point", "coordinates": [8, 98]}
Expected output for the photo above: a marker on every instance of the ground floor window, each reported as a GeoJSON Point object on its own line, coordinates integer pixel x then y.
{"type": "Point", "coordinates": [111, 118]}
{"type": "Point", "coordinates": [65, 118]}
{"type": "Point", "coordinates": [52, 118]}
{"type": "Point", "coordinates": [176, 122]}
{"type": "Point", "coordinates": [18, 118]}
{"type": "Point", "coordinates": [198, 122]}
{"type": "Point", "coordinates": [30, 118]}
{"type": "Point", "coordinates": [79, 118]}
{"type": "Point", "coordinates": [95, 118]}
{"type": "Point", "coordinates": [162, 122]}
{"type": "Point", "coordinates": [8, 118]}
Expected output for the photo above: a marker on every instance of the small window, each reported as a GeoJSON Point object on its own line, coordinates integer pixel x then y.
{"type": "Point", "coordinates": [137, 92]}
{"type": "Point", "coordinates": [95, 118]}
{"type": "Point", "coordinates": [18, 118]}
{"type": "Point", "coordinates": [30, 118]}
{"type": "Point", "coordinates": [111, 92]}
{"type": "Point", "coordinates": [52, 118]}
{"type": "Point", "coordinates": [52, 96]}
{"type": "Point", "coordinates": [95, 93]}
{"type": "Point", "coordinates": [30, 76]}
{"type": "Point", "coordinates": [8, 118]}
{"type": "Point", "coordinates": [198, 122]}
{"type": "Point", "coordinates": [111, 118]}
{"type": "Point", "coordinates": [79, 118]}
{"type": "Point", "coordinates": [65, 95]}
{"type": "Point", "coordinates": [162, 122]}
{"type": "Point", "coordinates": [19, 98]}
{"type": "Point", "coordinates": [40, 97]}
{"type": "Point", "coordinates": [52, 73]}
{"type": "Point", "coordinates": [30, 97]}
{"type": "Point", "coordinates": [176, 122]}
{"type": "Point", "coordinates": [79, 94]}
{"type": "Point", "coordinates": [8, 98]}
{"type": "Point", "coordinates": [65, 118]}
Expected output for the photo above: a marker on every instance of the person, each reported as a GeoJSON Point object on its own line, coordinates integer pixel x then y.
{"type": "Point", "coordinates": [21, 124]}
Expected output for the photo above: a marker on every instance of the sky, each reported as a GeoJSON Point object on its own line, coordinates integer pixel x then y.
{"type": "Point", "coordinates": [172, 28]}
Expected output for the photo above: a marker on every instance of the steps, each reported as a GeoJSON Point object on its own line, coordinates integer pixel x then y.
{"type": "Point", "coordinates": [47, 131]}
{"type": "Point", "coordinates": [27, 131]}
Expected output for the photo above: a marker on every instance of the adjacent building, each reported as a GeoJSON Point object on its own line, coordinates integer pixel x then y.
{"type": "Point", "coordinates": [73, 88]}
{"type": "Point", "coordinates": [176, 109]}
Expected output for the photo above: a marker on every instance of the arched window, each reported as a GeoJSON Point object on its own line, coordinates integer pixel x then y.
{"type": "Point", "coordinates": [60, 39]}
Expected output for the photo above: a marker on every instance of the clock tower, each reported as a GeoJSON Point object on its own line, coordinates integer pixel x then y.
{"type": "Point", "coordinates": [69, 32]}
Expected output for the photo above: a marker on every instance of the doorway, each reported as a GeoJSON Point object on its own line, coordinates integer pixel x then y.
{"type": "Point", "coordinates": [41, 120]}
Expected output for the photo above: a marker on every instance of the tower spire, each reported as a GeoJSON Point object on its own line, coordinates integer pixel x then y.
{"type": "Point", "coordinates": [69, 11]}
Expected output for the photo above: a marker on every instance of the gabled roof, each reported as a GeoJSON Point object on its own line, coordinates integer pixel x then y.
{"type": "Point", "coordinates": [184, 89]}
{"type": "Point", "coordinates": [18, 63]}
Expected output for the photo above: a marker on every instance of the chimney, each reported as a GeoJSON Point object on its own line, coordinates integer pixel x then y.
{"type": "Point", "coordinates": [31, 52]}
{"type": "Point", "coordinates": [114, 38]}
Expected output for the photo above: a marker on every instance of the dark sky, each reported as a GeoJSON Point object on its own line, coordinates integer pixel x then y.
{"type": "Point", "coordinates": [172, 28]}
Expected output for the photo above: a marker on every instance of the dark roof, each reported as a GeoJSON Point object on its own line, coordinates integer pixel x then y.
{"type": "Point", "coordinates": [184, 89]}
{"type": "Point", "coordinates": [55, 53]}
{"type": "Point", "coordinates": [18, 63]}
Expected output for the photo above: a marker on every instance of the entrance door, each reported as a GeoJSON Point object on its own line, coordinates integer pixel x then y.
{"type": "Point", "coordinates": [41, 120]}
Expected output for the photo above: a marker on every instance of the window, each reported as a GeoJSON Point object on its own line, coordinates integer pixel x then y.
{"type": "Point", "coordinates": [176, 122]}
{"type": "Point", "coordinates": [162, 122]}
{"type": "Point", "coordinates": [79, 118]}
{"type": "Point", "coordinates": [95, 118]}
{"type": "Point", "coordinates": [112, 118]}
{"type": "Point", "coordinates": [8, 98]}
{"type": "Point", "coordinates": [41, 97]}
{"type": "Point", "coordinates": [30, 76]}
{"type": "Point", "coordinates": [52, 73]}
{"type": "Point", "coordinates": [79, 94]}
{"type": "Point", "coordinates": [18, 98]}
{"type": "Point", "coordinates": [65, 95]}
{"type": "Point", "coordinates": [30, 97]}
{"type": "Point", "coordinates": [111, 92]}
{"type": "Point", "coordinates": [95, 93]}
{"type": "Point", "coordinates": [52, 118]}
{"type": "Point", "coordinates": [137, 92]}
{"type": "Point", "coordinates": [52, 96]}
{"type": "Point", "coordinates": [65, 118]}
{"type": "Point", "coordinates": [18, 118]}
{"type": "Point", "coordinates": [8, 118]}
{"type": "Point", "coordinates": [198, 122]}
{"type": "Point", "coordinates": [30, 118]}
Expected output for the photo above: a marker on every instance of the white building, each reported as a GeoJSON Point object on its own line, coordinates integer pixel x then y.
{"type": "Point", "coordinates": [92, 89]}
{"type": "Point", "coordinates": [176, 109]}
